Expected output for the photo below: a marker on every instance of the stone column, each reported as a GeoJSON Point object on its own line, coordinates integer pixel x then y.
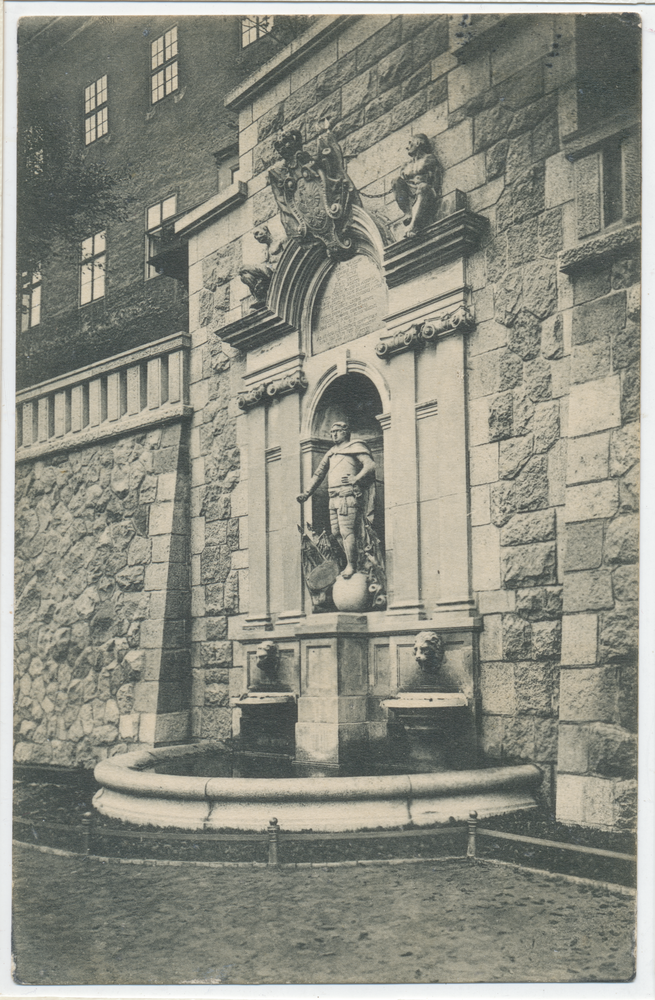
{"type": "Point", "coordinates": [288, 576]}
{"type": "Point", "coordinates": [258, 616]}
{"type": "Point", "coordinates": [450, 450]}
{"type": "Point", "coordinates": [401, 491]}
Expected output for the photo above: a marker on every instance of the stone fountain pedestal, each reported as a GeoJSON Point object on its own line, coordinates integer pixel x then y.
{"type": "Point", "coordinates": [332, 708]}
{"type": "Point", "coordinates": [432, 731]}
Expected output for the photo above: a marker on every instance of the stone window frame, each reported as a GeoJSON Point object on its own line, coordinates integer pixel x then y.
{"type": "Point", "coordinates": [96, 113]}
{"type": "Point", "coordinates": [31, 296]}
{"type": "Point", "coordinates": [93, 262]}
{"type": "Point", "coordinates": [154, 230]}
{"type": "Point", "coordinates": [164, 65]}
{"type": "Point", "coordinates": [254, 27]}
{"type": "Point", "coordinates": [607, 178]}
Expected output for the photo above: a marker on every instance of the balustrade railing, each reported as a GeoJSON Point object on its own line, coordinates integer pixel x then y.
{"type": "Point", "coordinates": [138, 387]}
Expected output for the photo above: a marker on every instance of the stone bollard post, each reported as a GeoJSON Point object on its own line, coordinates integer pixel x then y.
{"type": "Point", "coordinates": [273, 841]}
{"type": "Point", "coordinates": [87, 821]}
{"type": "Point", "coordinates": [472, 825]}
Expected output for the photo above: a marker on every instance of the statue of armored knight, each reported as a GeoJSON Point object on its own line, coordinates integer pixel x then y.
{"type": "Point", "coordinates": [313, 191]}
{"type": "Point", "coordinates": [350, 471]}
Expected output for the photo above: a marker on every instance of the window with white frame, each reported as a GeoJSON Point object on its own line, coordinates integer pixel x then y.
{"type": "Point", "coordinates": [30, 299]}
{"type": "Point", "coordinates": [93, 268]}
{"type": "Point", "coordinates": [255, 26]}
{"type": "Point", "coordinates": [163, 65]}
{"type": "Point", "coordinates": [96, 123]}
{"type": "Point", "coordinates": [155, 217]}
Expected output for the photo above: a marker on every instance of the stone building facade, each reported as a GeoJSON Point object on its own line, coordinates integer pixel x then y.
{"type": "Point", "coordinates": [156, 506]}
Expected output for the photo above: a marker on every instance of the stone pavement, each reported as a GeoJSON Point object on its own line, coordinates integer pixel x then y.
{"type": "Point", "coordinates": [87, 921]}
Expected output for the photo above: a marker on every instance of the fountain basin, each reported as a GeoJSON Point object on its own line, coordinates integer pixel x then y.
{"type": "Point", "coordinates": [259, 698]}
{"type": "Point", "coordinates": [133, 791]}
{"type": "Point", "coordinates": [426, 699]}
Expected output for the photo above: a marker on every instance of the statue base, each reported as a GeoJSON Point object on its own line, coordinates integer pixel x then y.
{"type": "Point", "coordinates": [351, 594]}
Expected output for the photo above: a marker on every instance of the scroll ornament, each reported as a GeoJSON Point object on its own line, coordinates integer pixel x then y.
{"type": "Point", "coordinates": [420, 334]}
{"type": "Point", "coordinates": [268, 391]}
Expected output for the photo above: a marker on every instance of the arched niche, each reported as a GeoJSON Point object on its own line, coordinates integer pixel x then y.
{"type": "Point", "coordinates": [352, 398]}
{"type": "Point", "coordinates": [304, 272]}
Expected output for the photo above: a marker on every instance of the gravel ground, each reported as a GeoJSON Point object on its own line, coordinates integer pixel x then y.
{"type": "Point", "coordinates": [83, 921]}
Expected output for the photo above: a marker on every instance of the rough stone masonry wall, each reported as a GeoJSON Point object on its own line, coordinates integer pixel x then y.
{"type": "Point", "coordinates": [219, 557]}
{"type": "Point", "coordinates": [101, 596]}
{"type": "Point", "coordinates": [494, 120]}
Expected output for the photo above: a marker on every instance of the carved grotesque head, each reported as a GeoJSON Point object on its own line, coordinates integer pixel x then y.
{"type": "Point", "coordinates": [288, 144]}
{"type": "Point", "coordinates": [267, 655]}
{"type": "Point", "coordinates": [428, 651]}
{"type": "Point", "coordinates": [418, 145]}
{"type": "Point", "coordinates": [263, 235]}
{"type": "Point", "coordinates": [340, 432]}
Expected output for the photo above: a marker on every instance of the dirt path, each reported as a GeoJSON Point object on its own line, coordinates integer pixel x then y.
{"type": "Point", "coordinates": [79, 921]}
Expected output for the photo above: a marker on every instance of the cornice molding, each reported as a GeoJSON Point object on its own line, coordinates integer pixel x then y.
{"type": "Point", "coordinates": [458, 235]}
{"type": "Point", "coordinates": [600, 250]}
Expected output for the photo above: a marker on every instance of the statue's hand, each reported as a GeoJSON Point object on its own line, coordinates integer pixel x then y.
{"type": "Point", "coordinates": [302, 497]}
{"type": "Point", "coordinates": [348, 480]}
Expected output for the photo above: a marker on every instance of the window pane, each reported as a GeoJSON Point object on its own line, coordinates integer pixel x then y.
{"type": "Point", "coordinates": [102, 122]}
{"type": "Point", "coordinates": [100, 242]}
{"type": "Point", "coordinates": [171, 77]}
{"type": "Point", "coordinates": [168, 207]}
{"type": "Point", "coordinates": [86, 277]}
{"type": "Point", "coordinates": [35, 317]}
{"type": "Point", "coordinates": [154, 216]}
{"type": "Point", "coordinates": [101, 88]}
{"type": "Point", "coordinates": [99, 278]}
{"type": "Point", "coordinates": [90, 129]}
{"type": "Point", "coordinates": [87, 248]}
{"type": "Point", "coordinates": [25, 313]}
{"type": "Point", "coordinates": [90, 98]}
{"type": "Point", "coordinates": [157, 86]}
{"type": "Point", "coordinates": [157, 52]}
{"type": "Point", "coordinates": [170, 48]}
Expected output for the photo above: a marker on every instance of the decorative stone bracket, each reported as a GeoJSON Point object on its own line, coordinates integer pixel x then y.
{"type": "Point", "coordinates": [267, 391]}
{"type": "Point", "coordinates": [420, 334]}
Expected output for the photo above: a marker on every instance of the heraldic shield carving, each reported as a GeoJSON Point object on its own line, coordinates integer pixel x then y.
{"type": "Point", "coordinates": [314, 193]}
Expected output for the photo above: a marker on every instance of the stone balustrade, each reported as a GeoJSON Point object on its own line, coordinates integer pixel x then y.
{"type": "Point", "coordinates": [138, 388]}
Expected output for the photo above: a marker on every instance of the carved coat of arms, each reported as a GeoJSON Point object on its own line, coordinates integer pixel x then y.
{"type": "Point", "coordinates": [313, 191]}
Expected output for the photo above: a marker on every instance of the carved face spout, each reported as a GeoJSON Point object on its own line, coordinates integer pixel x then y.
{"type": "Point", "coordinates": [267, 658]}
{"type": "Point", "coordinates": [428, 652]}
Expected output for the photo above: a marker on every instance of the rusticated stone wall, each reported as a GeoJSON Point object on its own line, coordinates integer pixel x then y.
{"type": "Point", "coordinates": [102, 599]}
{"type": "Point", "coordinates": [551, 378]}
{"type": "Point", "coordinates": [219, 558]}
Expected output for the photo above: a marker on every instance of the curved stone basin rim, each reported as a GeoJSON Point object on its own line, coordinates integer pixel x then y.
{"type": "Point", "coordinates": [132, 791]}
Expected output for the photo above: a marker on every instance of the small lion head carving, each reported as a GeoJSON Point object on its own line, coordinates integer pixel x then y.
{"type": "Point", "coordinates": [429, 651]}
{"type": "Point", "coordinates": [267, 656]}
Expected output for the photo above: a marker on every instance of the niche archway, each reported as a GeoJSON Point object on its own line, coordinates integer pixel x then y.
{"type": "Point", "coordinates": [355, 399]}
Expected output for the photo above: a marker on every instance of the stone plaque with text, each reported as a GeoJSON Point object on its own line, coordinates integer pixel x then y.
{"type": "Point", "coordinates": [351, 303]}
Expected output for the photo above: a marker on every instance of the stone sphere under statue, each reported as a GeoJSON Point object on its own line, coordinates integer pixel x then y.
{"type": "Point", "coordinates": [351, 594]}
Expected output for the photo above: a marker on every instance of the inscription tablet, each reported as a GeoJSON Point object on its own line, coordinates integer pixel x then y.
{"type": "Point", "coordinates": [351, 303]}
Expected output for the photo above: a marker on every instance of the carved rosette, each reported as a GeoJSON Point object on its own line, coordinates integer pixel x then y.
{"type": "Point", "coordinates": [420, 334]}
{"type": "Point", "coordinates": [267, 391]}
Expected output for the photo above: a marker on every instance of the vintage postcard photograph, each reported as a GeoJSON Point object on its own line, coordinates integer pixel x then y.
{"type": "Point", "coordinates": [325, 336]}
